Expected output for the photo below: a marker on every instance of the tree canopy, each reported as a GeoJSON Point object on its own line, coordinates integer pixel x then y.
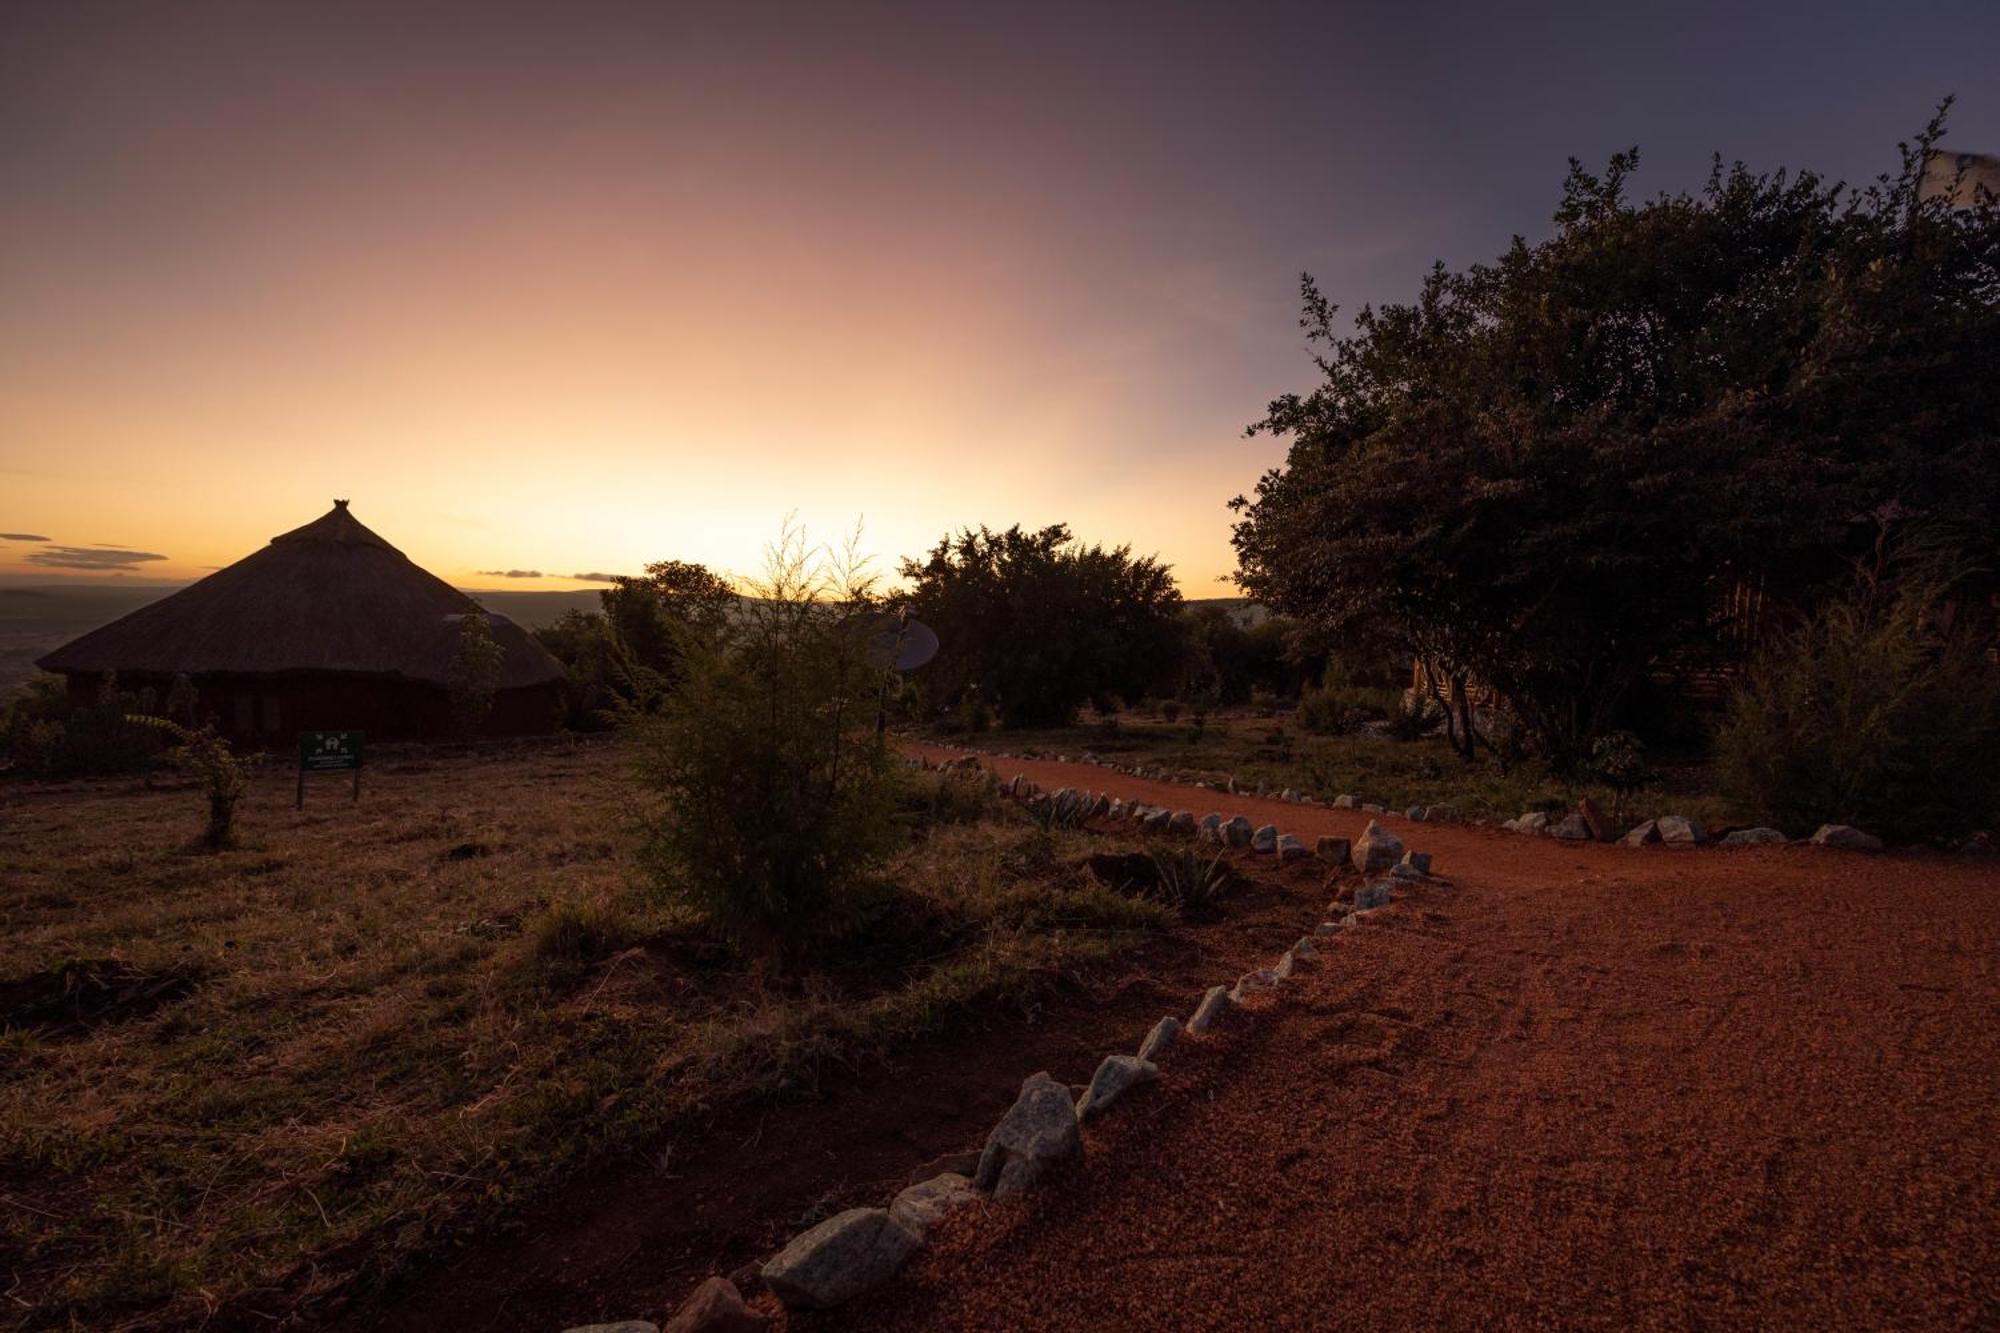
{"type": "Point", "coordinates": [1034, 624]}
{"type": "Point", "coordinates": [1539, 472]}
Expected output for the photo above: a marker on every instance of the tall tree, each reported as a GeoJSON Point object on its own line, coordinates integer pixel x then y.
{"type": "Point", "coordinates": [1538, 472]}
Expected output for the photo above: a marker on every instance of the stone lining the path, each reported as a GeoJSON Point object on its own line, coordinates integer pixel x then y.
{"type": "Point", "coordinates": [859, 1250]}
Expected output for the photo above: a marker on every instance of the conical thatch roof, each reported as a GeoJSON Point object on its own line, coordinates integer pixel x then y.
{"type": "Point", "coordinates": [328, 597]}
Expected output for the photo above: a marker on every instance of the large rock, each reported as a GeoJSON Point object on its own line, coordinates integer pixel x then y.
{"type": "Point", "coordinates": [1334, 851]}
{"type": "Point", "coordinates": [1416, 814]}
{"type": "Point", "coordinates": [1573, 828]}
{"type": "Point", "coordinates": [1534, 821]}
{"type": "Point", "coordinates": [848, 1254]}
{"type": "Point", "coordinates": [1254, 983]}
{"type": "Point", "coordinates": [1291, 849]}
{"type": "Point", "coordinates": [1376, 849]}
{"type": "Point", "coordinates": [1213, 1007]}
{"type": "Point", "coordinates": [1237, 831]}
{"type": "Point", "coordinates": [1037, 1133]}
{"type": "Point", "coordinates": [1846, 838]}
{"type": "Point", "coordinates": [1374, 895]}
{"type": "Point", "coordinates": [1343, 802]}
{"type": "Point", "coordinates": [1115, 1076]}
{"type": "Point", "coordinates": [716, 1307]}
{"type": "Point", "coordinates": [925, 1204]}
{"type": "Point", "coordinates": [1211, 828]}
{"type": "Point", "coordinates": [1157, 821]}
{"type": "Point", "coordinates": [1593, 818]}
{"type": "Point", "coordinates": [1161, 1039]}
{"type": "Point", "coordinates": [1265, 839]}
{"type": "Point", "coordinates": [1752, 837]}
{"type": "Point", "coordinates": [1645, 835]}
{"type": "Point", "coordinates": [1417, 861]}
{"type": "Point", "coordinates": [1182, 823]}
{"type": "Point", "coordinates": [1678, 831]}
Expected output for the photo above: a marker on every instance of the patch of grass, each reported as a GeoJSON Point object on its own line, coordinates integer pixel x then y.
{"type": "Point", "coordinates": [1258, 752]}
{"type": "Point", "coordinates": [392, 1047]}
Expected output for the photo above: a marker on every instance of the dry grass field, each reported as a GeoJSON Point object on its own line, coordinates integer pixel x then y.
{"type": "Point", "coordinates": [232, 1084]}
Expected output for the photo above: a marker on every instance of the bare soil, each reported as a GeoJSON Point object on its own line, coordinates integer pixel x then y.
{"type": "Point", "coordinates": [1587, 1087]}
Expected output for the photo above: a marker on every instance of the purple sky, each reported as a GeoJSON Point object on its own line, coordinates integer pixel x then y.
{"type": "Point", "coordinates": [573, 286]}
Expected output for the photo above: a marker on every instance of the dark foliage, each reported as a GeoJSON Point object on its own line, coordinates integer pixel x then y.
{"type": "Point", "coordinates": [1539, 473]}
{"type": "Point", "coordinates": [1035, 624]}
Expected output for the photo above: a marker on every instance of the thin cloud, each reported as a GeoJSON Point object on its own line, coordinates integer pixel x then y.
{"type": "Point", "coordinates": [597, 578]}
{"type": "Point", "coordinates": [511, 573]}
{"type": "Point", "coordinates": [22, 537]}
{"type": "Point", "coordinates": [96, 558]}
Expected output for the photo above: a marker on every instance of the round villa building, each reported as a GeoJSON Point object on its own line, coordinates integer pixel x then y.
{"type": "Point", "coordinates": [327, 628]}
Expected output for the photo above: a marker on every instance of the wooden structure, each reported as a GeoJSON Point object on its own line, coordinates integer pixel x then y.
{"type": "Point", "coordinates": [327, 628]}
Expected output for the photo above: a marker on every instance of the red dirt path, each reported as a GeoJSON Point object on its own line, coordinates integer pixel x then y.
{"type": "Point", "coordinates": [1587, 1087]}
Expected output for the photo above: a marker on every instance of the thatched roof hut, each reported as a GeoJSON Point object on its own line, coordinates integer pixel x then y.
{"type": "Point", "coordinates": [328, 627]}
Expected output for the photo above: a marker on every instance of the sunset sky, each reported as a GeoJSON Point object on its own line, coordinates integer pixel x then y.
{"type": "Point", "coordinates": [570, 287]}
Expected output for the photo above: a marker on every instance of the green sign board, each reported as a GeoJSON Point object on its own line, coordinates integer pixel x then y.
{"type": "Point", "coordinates": [329, 752]}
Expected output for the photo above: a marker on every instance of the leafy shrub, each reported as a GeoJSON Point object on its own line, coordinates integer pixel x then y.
{"type": "Point", "coordinates": [473, 675]}
{"type": "Point", "coordinates": [1414, 718]}
{"type": "Point", "coordinates": [775, 798]}
{"type": "Point", "coordinates": [43, 735]}
{"type": "Point", "coordinates": [220, 773]}
{"type": "Point", "coordinates": [1866, 715]}
{"type": "Point", "coordinates": [934, 797]}
{"type": "Point", "coordinates": [1329, 713]}
{"type": "Point", "coordinates": [1189, 880]}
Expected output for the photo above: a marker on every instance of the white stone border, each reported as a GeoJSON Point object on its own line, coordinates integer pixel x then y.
{"type": "Point", "coordinates": [857, 1251]}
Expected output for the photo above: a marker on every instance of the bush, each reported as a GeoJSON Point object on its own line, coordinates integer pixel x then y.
{"type": "Point", "coordinates": [1867, 716]}
{"type": "Point", "coordinates": [223, 781]}
{"type": "Point", "coordinates": [43, 735]}
{"type": "Point", "coordinates": [775, 796]}
{"type": "Point", "coordinates": [473, 676]}
{"type": "Point", "coordinates": [1189, 880]}
{"type": "Point", "coordinates": [1329, 713]}
{"type": "Point", "coordinates": [1414, 718]}
{"type": "Point", "coordinates": [936, 797]}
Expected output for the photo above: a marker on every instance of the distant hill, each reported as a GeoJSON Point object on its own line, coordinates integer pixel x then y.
{"type": "Point", "coordinates": [1246, 612]}
{"type": "Point", "coordinates": [535, 610]}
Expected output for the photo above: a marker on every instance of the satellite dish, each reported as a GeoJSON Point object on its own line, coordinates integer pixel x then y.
{"type": "Point", "coordinates": [900, 643]}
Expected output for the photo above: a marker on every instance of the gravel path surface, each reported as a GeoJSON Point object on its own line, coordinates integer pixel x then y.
{"type": "Point", "coordinates": [1587, 1087]}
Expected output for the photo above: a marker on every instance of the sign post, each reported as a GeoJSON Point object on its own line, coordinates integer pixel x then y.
{"type": "Point", "coordinates": [329, 752]}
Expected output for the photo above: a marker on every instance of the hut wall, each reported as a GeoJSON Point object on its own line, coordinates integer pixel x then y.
{"type": "Point", "coordinates": [271, 710]}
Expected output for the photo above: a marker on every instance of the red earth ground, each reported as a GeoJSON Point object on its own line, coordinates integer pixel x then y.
{"type": "Point", "coordinates": [1583, 1087]}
